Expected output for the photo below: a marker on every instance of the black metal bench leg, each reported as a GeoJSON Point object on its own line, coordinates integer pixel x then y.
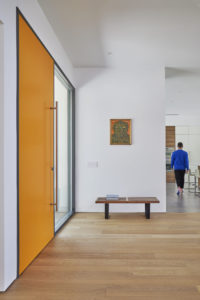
{"type": "Point", "coordinates": [106, 210]}
{"type": "Point", "coordinates": [147, 210]}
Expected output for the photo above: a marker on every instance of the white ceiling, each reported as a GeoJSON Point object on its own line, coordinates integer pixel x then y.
{"type": "Point", "coordinates": [132, 30]}
{"type": "Point", "coordinates": [104, 33]}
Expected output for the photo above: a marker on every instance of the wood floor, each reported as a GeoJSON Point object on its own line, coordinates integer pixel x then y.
{"type": "Point", "coordinates": [124, 258]}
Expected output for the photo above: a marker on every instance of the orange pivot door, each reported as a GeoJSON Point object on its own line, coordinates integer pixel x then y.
{"type": "Point", "coordinates": [36, 81]}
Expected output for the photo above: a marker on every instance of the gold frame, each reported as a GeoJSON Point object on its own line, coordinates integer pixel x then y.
{"type": "Point", "coordinates": [129, 121]}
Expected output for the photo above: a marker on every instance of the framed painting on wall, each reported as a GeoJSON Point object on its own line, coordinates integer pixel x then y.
{"type": "Point", "coordinates": [120, 131]}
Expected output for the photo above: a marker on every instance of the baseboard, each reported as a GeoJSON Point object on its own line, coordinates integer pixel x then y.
{"type": "Point", "coordinates": [2, 287]}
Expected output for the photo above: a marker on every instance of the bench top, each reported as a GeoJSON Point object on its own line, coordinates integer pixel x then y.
{"type": "Point", "coordinates": [128, 200]}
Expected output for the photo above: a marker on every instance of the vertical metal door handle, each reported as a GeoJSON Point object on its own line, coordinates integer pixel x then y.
{"type": "Point", "coordinates": [56, 155]}
{"type": "Point", "coordinates": [56, 109]}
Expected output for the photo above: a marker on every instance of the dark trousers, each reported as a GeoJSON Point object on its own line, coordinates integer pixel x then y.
{"type": "Point", "coordinates": [179, 175]}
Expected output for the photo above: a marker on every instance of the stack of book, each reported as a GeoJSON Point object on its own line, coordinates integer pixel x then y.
{"type": "Point", "coordinates": [112, 197]}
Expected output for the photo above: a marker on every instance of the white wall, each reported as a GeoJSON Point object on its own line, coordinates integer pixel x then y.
{"type": "Point", "coordinates": [1, 154]}
{"type": "Point", "coordinates": [37, 19]}
{"type": "Point", "coordinates": [182, 93]}
{"type": "Point", "coordinates": [182, 120]}
{"type": "Point", "coordinates": [136, 170]}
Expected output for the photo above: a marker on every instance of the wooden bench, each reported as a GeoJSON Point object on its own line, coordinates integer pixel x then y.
{"type": "Point", "coordinates": [138, 200]}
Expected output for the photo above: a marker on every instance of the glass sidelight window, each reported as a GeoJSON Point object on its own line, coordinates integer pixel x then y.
{"type": "Point", "coordinates": [62, 149]}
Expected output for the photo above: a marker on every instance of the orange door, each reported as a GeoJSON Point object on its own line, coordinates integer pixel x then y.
{"type": "Point", "coordinates": [36, 81]}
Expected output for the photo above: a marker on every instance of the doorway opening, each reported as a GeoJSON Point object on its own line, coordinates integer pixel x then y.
{"type": "Point", "coordinates": [183, 125]}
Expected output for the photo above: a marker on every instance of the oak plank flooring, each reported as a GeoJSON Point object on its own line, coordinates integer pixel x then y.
{"type": "Point", "coordinates": [123, 258]}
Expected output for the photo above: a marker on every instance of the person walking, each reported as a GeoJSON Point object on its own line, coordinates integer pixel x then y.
{"type": "Point", "coordinates": [180, 163]}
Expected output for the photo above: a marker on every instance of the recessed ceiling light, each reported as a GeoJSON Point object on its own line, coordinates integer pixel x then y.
{"type": "Point", "coordinates": [172, 114]}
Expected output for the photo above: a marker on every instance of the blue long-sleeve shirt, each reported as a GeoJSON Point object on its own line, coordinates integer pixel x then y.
{"type": "Point", "coordinates": [179, 160]}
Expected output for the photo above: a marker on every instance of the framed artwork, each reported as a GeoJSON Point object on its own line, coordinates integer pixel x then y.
{"type": "Point", "coordinates": [120, 131]}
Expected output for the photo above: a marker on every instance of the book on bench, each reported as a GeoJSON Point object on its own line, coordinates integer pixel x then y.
{"type": "Point", "coordinates": [112, 197]}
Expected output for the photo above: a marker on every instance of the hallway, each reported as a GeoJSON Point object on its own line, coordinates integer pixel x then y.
{"type": "Point", "coordinates": [124, 258]}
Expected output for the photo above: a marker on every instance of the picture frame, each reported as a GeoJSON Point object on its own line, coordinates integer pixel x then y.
{"type": "Point", "coordinates": [120, 131]}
